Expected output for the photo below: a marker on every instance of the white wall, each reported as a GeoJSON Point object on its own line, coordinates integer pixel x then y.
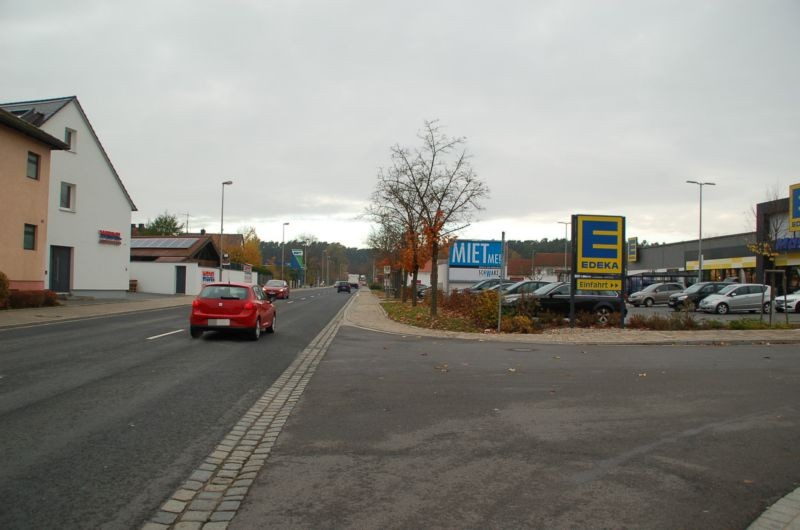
{"type": "Point", "coordinates": [100, 204]}
{"type": "Point", "coordinates": [159, 278]}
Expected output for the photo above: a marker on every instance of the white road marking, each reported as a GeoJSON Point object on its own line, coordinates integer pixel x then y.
{"type": "Point", "coordinates": [165, 334]}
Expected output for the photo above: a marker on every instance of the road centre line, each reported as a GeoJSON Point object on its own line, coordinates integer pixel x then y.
{"type": "Point", "coordinates": [164, 334]}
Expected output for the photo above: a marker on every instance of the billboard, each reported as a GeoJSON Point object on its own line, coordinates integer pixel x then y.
{"type": "Point", "coordinates": [297, 259]}
{"type": "Point", "coordinates": [794, 208]}
{"type": "Point", "coordinates": [633, 249]}
{"type": "Point", "coordinates": [474, 254]}
{"type": "Point", "coordinates": [600, 240]}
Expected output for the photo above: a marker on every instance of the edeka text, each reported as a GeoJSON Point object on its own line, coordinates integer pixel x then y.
{"type": "Point", "coordinates": [600, 265]}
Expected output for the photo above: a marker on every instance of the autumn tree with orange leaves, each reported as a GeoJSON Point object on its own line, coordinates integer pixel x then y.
{"type": "Point", "coordinates": [250, 252]}
{"type": "Point", "coordinates": [439, 192]}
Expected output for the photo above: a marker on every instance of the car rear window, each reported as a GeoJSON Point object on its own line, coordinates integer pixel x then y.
{"type": "Point", "coordinates": [224, 292]}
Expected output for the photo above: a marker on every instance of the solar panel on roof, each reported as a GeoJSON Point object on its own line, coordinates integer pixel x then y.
{"type": "Point", "coordinates": [164, 242]}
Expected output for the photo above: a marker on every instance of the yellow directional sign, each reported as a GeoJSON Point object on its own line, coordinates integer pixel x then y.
{"type": "Point", "coordinates": [598, 284]}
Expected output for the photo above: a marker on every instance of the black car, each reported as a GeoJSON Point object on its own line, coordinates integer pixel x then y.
{"type": "Point", "coordinates": [694, 293]}
{"type": "Point", "coordinates": [554, 297]}
{"type": "Point", "coordinates": [342, 286]}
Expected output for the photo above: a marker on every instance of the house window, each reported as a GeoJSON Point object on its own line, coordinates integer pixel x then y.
{"type": "Point", "coordinates": [29, 239]}
{"type": "Point", "coordinates": [67, 196]}
{"type": "Point", "coordinates": [33, 165]}
{"type": "Point", "coordinates": [70, 138]}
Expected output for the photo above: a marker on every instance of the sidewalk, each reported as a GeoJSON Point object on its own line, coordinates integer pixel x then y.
{"type": "Point", "coordinates": [367, 313]}
{"type": "Point", "coordinates": [79, 308]}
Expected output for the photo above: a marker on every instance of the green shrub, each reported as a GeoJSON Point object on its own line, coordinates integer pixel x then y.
{"type": "Point", "coordinates": [714, 324]}
{"type": "Point", "coordinates": [585, 319]}
{"type": "Point", "coordinates": [550, 319]}
{"type": "Point", "coordinates": [3, 290]}
{"type": "Point", "coordinates": [518, 324]}
{"type": "Point", "coordinates": [748, 324]}
{"type": "Point", "coordinates": [637, 322]}
{"type": "Point", "coordinates": [527, 306]}
{"type": "Point", "coordinates": [483, 309]}
{"type": "Point", "coordinates": [51, 298]}
{"type": "Point", "coordinates": [23, 299]}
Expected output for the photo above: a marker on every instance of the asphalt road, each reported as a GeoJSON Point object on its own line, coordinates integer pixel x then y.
{"type": "Point", "coordinates": [409, 432]}
{"type": "Point", "coordinates": [101, 419]}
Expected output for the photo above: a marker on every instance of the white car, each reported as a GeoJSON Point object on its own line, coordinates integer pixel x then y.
{"type": "Point", "coordinates": [738, 297]}
{"type": "Point", "coordinates": [790, 304]}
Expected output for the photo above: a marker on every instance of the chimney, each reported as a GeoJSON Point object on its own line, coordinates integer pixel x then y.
{"type": "Point", "coordinates": [202, 231]}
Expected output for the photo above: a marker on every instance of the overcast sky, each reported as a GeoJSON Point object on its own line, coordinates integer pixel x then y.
{"type": "Point", "coordinates": [567, 106]}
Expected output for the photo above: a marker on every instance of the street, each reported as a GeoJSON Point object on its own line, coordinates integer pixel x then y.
{"type": "Point", "coordinates": [101, 418]}
{"type": "Point", "coordinates": [409, 432]}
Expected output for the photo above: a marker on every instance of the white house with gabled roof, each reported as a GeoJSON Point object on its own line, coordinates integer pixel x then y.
{"type": "Point", "coordinates": [89, 211]}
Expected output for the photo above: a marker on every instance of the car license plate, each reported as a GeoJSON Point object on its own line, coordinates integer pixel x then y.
{"type": "Point", "coordinates": [219, 322]}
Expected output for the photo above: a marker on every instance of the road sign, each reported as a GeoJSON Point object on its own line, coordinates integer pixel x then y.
{"type": "Point", "coordinates": [598, 284]}
{"type": "Point", "coordinates": [600, 244]}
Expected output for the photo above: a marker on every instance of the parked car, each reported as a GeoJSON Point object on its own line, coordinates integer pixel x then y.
{"type": "Point", "coordinates": [277, 289]}
{"type": "Point", "coordinates": [481, 285]}
{"type": "Point", "coordinates": [499, 286]}
{"type": "Point", "coordinates": [656, 293]}
{"type": "Point", "coordinates": [515, 291]}
{"type": "Point", "coordinates": [738, 297]}
{"type": "Point", "coordinates": [232, 307]}
{"type": "Point", "coordinates": [422, 290]}
{"type": "Point", "coordinates": [789, 304]}
{"type": "Point", "coordinates": [342, 286]}
{"type": "Point", "coordinates": [692, 295]}
{"type": "Point", "coordinates": [555, 297]}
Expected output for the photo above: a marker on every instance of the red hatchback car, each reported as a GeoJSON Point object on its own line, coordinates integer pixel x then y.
{"type": "Point", "coordinates": [232, 307]}
{"type": "Point", "coordinates": [277, 289]}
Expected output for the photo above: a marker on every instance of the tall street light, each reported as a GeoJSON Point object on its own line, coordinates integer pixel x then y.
{"type": "Point", "coordinates": [221, 220]}
{"type": "Point", "coordinates": [566, 224]}
{"type": "Point", "coordinates": [283, 245]}
{"type": "Point", "coordinates": [700, 231]}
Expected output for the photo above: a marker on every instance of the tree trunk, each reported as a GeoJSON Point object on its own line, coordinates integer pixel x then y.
{"type": "Point", "coordinates": [405, 286]}
{"type": "Point", "coordinates": [434, 276]}
{"type": "Point", "coordinates": [414, 275]}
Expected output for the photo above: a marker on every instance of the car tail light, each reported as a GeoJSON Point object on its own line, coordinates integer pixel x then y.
{"type": "Point", "coordinates": [196, 303]}
{"type": "Point", "coordinates": [249, 305]}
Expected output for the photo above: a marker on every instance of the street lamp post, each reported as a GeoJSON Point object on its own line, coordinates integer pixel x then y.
{"type": "Point", "coordinates": [283, 246]}
{"type": "Point", "coordinates": [221, 221]}
{"type": "Point", "coordinates": [700, 230]}
{"type": "Point", "coordinates": [566, 224]}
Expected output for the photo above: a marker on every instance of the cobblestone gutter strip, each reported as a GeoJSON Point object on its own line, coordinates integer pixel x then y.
{"type": "Point", "coordinates": [211, 496]}
{"type": "Point", "coordinates": [784, 514]}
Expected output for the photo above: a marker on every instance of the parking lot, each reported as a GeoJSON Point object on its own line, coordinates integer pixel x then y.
{"type": "Point", "coordinates": [665, 311]}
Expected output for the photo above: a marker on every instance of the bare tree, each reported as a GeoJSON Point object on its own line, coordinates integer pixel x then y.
{"type": "Point", "coordinates": [395, 207]}
{"type": "Point", "coordinates": [447, 189]}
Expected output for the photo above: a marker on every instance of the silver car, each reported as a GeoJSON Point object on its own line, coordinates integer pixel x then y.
{"type": "Point", "coordinates": [789, 303]}
{"type": "Point", "coordinates": [738, 297]}
{"type": "Point", "coordinates": [512, 293]}
{"type": "Point", "coordinates": [657, 293]}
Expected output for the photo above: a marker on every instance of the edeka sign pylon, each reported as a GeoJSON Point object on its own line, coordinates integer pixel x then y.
{"type": "Point", "coordinates": [598, 255]}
